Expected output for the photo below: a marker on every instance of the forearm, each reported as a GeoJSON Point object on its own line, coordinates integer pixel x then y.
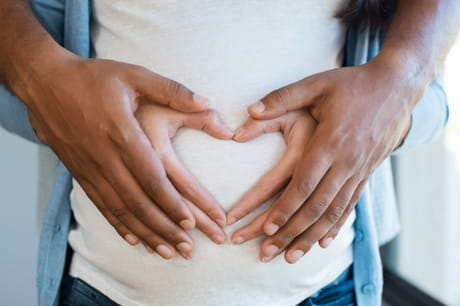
{"type": "Point", "coordinates": [26, 47]}
{"type": "Point", "coordinates": [419, 38]}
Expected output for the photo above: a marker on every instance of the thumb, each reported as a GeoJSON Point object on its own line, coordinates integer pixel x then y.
{"type": "Point", "coordinates": [210, 122]}
{"type": "Point", "coordinates": [156, 88]}
{"type": "Point", "coordinates": [294, 96]}
{"type": "Point", "coordinates": [254, 128]}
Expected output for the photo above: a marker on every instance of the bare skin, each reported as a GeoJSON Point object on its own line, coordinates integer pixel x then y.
{"type": "Point", "coordinates": [160, 125]}
{"type": "Point", "coordinates": [363, 114]}
{"type": "Point", "coordinates": [110, 151]}
{"type": "Point", "coordinates": [84, 109]}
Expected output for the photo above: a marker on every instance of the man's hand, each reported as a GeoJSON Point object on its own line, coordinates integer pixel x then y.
{"type": "Point", "coordinates": [363, 115]}
{"type": "Point", "coordinates": [160, 125]}
{"type": "Point", "coordinates": [84, 110]}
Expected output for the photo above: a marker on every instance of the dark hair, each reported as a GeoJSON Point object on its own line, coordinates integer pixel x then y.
{"type": "Point", "coordinates": [362, 13]}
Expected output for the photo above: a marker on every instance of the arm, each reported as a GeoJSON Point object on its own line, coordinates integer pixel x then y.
{"type": "Point", "coordinates": [363, 114]}
{"type": "Point", "coordinates": [84, 110]}
{"type": "Point", "coordinates": [428, 30]}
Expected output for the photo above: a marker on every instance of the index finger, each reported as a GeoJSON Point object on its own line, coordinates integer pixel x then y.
{"type": "Point", "coordinates": [313, 166]}
{"type": "Point", "coordinates": [142, 162]}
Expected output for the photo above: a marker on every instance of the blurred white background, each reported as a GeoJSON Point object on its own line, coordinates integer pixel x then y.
{"type": "Point", "coordinates": [427, 252]}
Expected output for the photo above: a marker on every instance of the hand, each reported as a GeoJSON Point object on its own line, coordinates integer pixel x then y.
{"type": "Point", "coordinates": [363, 114]}
{"type": "Point", "coordinates": [84, 110]}
{"type": "Point", "coordinates": [297, 128]}
{"type": "Point", "coordinates": [160, 124]}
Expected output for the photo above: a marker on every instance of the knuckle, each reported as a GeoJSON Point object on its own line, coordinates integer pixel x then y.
{"type": "Point", "coordinates": [305, 187]}
{"type": "Point", "coordinates": [121, 214]}
{"type": "Point", "coordinates": [305, 245]}
{"type": "Point", "coordinates": [139, 208]}
{"type": "Point", "coordinates": [173, 235]}
{"type": "Point", "coordinates": [281, 240]}
{"type": "Point", "coordinates": [174, 89]}
{"type": "Point", "coordinates": [155, 185]}
{"type": "Point", "coordinates": [280, 217]}
{"type": "Point", "coordinates": [342, 200]}
{"type": "Point", "coordinates": [334, 214]}
{"type": "Point", "coordinates": [318, 207]}
{"type": "Point", "coordinates": [282, 96]}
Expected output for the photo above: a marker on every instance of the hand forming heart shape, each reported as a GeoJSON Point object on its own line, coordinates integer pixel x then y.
{"type": "Point", "coordinates": [161, 125]}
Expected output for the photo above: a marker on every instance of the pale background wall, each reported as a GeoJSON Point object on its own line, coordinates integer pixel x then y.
{"type": "Point", "coordinates": [18, 221]}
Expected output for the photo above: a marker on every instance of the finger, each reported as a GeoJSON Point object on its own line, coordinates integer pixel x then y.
{"type": "Point", "coordinates": [210, 122]}
{"type": "Point", "coordinates": [276, 178]}
{"type": "Point", "coordinates": [206, 225]}
{"type": "Point", "coordinates": [313, 166]}
{"type": "Point", "coordinates": [253, 128]}
{"type": "Point", "coordinates": [108, 195]}
{"type": "Point", "coordinates": [250, 230]}
{"type": "Point", "coordinates": [121, 229]}
{"type": "Point", "coordinates": [317, 213]}
{"type": "Point", "coordinates": [266, 187]}
{"type": "Point", "coordinates": [156, 88]}
{"type": "Point", "coordinates": [291, 97]}
{"type": "Point", "coordinates": [186, 183]}
{"type": "Point", "coordinates": [137, 205]}
{"type": "Point", "coordinates": [145, 167]}
{"type": "Point", "coordinates": [305, 240]}
{"type": "Point", "coordinates": [333, 232]}
{"type": "Point", "coordinates": [191, 189]}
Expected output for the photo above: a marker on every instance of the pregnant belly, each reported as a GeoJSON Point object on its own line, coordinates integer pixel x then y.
{"type": "Point", "coordinates": [217, 274]}
{"type": "Point", "coordinates": [227, 168]}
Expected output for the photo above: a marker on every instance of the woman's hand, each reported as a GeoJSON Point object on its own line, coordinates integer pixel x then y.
{"type": "Point", "coordinates": [84, 110]}
{"type": "Point", "coordinates": [297, 128]}
{"type": "Point", "coordinates": [363, 114]}
{"type": "Point", "coordinates": [160, 124]}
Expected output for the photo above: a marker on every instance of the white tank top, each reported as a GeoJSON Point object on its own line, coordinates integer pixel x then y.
{"type": "Point", "coordinates": [233, 52]}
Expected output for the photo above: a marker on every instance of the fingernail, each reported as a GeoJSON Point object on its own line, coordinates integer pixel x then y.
{"type": "Point", "coordinates": [186, 224]}
{"type": "Point", "coordinates": [200, 99]}
{"type": "Point", "coordinates": [231, 221]}
{"type": "Point", "coordinates": [219, 239]}
{"type": "Point", "coordinates": [149, 249]}
{"type": "Point", "coordinates": [271, 250]}
{"type": "Point", "coordinates": [131, 239]}
{"type": "Point", "coordinates": [258, 107]}
{"type": "Point", "coordinates": [222, 222]}
{"type": "Point", "coordinates": [296, 255]}
{"type": "Point", "coordinates": [271, 229]}
{"type": "Point", "coordinates": [164, 251]}
{"type": "Point", "coordinates": [266, 259]}
{"type": "Point", "coordinates": [238, 240]}
{"type": "Point", "coordinates": [184, 248]}
{"type": "Point", "coordinates": [327, 242]}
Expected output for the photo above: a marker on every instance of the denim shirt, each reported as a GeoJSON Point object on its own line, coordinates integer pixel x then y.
{"type": "Point", "coordinates": [68, 21]}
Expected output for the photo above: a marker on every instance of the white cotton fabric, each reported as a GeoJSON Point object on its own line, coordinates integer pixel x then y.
{"type": "Point", "coordinates": [233, 52]}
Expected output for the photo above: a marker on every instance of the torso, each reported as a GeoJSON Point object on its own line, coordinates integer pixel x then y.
{"type": "Point", "coordinates": [233, 52]}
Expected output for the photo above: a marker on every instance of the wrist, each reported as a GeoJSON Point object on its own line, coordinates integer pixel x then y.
{"type": "Point", "coordinates": [404, 76]}
{"type": "Point", "coordinates": [34, 71]}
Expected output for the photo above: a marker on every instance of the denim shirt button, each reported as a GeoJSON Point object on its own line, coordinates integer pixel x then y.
{"type": "Point", "coordinates": [368, 288]}
{"type": "Point", "coordinates": [58, 228]}
{"type": "Point", "coordinates": [359, 235]}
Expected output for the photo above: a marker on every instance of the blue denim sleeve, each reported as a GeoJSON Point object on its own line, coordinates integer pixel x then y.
{"type": "Point", "coordinates": [14, 116]}
{"type": "Point", "coordinates": [428, 118]}
{"type": "Point", "coordinates": [13, 113]}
